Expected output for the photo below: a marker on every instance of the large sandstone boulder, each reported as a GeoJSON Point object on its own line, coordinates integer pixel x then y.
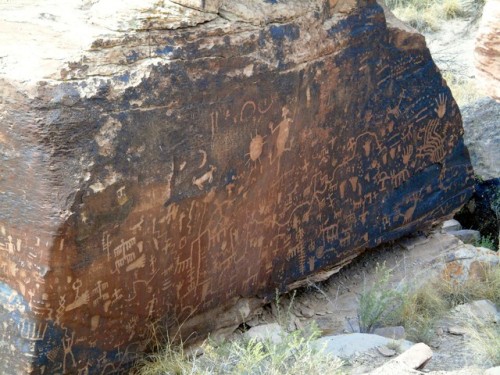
{"type": "Point", "coordinates": [182, 160]}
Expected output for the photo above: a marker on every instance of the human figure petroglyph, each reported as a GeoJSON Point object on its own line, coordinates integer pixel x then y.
{"type": "Point", "coordinates": [152, 263]}
{"type": "Point", "coordinates": [283, 134]}
{"type": "Point", "coordinates": [77, 284]}
{"type": "Point", "coordinates": [67, 342]}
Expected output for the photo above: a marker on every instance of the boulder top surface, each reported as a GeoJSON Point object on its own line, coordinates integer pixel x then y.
{"type": "Point", "coordinates": [39, 38]}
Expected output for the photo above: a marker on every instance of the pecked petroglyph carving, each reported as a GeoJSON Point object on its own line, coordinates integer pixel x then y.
{"type": "Point", "coordinates": [205, 178]}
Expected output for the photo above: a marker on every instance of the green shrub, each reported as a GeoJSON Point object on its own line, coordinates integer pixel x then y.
{"type": "Point", "coordinates": [487, 242]}
{"type": "Point", "coordinates": [379, 303]}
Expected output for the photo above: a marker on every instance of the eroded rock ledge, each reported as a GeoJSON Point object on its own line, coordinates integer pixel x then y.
{"type": "Point", "coordinates": [169, 160]}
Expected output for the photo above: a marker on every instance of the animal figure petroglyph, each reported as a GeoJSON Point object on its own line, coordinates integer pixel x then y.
{"type": "Point", "coordinates": [207, 177]}
{"type": "Point", "coordinates": [256, 147]}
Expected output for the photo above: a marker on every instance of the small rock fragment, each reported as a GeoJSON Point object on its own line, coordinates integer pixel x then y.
{"type": "Point", "coordinates": [457, 330]}
{"type": "Point", "coordinates": [385, 351]}
{"type": "Point", "coordinates": [413, 359]}
{"type": "Point", "coordinates": [307, 312]}
{"type": "Point", "coordinates": [416, 357]}
{"type": "Point", "coordinates": [451, 225]}
{"type": "Point", "coordinates": [271, 332]}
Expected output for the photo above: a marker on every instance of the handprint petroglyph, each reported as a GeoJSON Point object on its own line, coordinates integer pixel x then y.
{"type": "Point", "coordinates": [441, 105]}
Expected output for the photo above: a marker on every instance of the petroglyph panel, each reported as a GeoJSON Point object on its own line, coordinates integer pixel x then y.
{"type": "Point", "coordinates": [231, 161]}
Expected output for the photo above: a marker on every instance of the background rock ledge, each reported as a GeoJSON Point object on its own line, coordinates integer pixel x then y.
{"type": "Point", "coordinates": [178, 159]}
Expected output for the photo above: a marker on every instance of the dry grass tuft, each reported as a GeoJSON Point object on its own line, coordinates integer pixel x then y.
{"type": "Point", "coordinates": [420, 311]}
{"type": "Point", "coordinates": [484, 342]}
{"type": "Point", "coordinates": [421, 19]}
{"type": "Point", "coordinates": [486, 286]}
{"type": "Point", "coordinates": [452, 9]}
{"type": "Point", "coordinates": [427, 15]}
{"type": "Point", "coordinates": [464, 89]}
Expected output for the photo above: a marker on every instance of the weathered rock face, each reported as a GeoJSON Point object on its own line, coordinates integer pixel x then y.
{"type": "Point", "coordinates": [482, 137]}
{"type": "Point", "coordinates": [487, 51]}
{"type": "Point", "coordinates": [179, 160]}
